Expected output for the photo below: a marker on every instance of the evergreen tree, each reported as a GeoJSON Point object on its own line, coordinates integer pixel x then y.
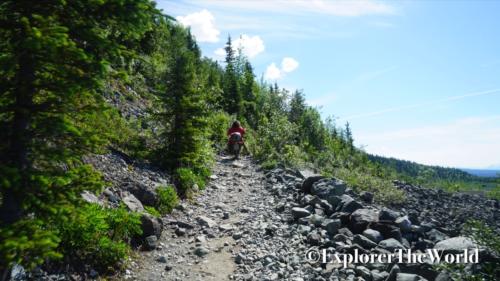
{"type": "Point", "coordinates": [185, 143]}
{"type": "Point", "coordinates": [232, 94]}
{"type": "Point", "coordinates": [55, 56]}
{"type": "Point", "coordinates": [297, 107]}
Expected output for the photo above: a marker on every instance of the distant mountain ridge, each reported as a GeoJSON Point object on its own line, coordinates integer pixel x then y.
{"type": "Point", "coordinates": [489, 173]}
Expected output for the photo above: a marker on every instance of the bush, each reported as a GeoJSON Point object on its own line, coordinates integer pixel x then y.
{"type": "Point", "coordinates": [383, 190]}
{"type": "Point", "coordinates": [186, 180]}
{"type": "Point", "coordinates": [97, 236]}
{"type": "Point", "coordinates": [152, 211]}
{"type": "Point", "coordinates": [167, 199]}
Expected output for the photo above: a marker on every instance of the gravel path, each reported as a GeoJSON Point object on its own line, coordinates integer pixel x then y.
{"type": "Point", "coordinates": [230, 232]}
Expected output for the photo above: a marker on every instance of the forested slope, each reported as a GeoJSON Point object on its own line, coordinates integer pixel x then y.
{"type": "Point", "coordinates": [82, 78]}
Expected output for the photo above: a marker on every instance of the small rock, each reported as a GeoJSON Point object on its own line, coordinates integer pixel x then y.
{"type": "Point", "coordinates": [161, 259]}
{"type": "Point", "coordinates": [151, 242]}
{"type": "Point", "coordinates": [205, 221]}
{"type": "Point", "coordinates": [201, 251]}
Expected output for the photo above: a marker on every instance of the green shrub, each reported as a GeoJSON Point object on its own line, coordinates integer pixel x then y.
{"type": "Point", "coordinates": [187, 179]}
{"type": "Point", "coordinates": [31, 238]}
{"type": "Point", "coordinates": [383, 190]}
{"type": "Point", "coordinates": [98, 236]}
{"type": "Point", "coordinates": [152, 211]}
{"type": "Point", "coordinates": [167, 199]}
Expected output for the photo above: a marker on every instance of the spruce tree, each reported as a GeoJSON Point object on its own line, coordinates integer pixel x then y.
{"type": "Point", "coordinates": [185, 142]}
{"type": "Point", "coordinates": [55, 55]}
{"type": "Point", "coordinates": [232, 94]}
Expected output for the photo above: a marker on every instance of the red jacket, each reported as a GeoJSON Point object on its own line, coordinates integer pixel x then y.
{"type": "Point", "coordinates": [240, 130]}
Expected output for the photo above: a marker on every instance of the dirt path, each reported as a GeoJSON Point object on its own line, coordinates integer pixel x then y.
{"type": "Point", "coordinates": [200, 240]}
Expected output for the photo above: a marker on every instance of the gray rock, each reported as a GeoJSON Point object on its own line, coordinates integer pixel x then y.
{"type": "Point", "coordinates": [180, 231]}
{"type": "Point", "coordinates": [393, 273]}
{"type": "Point", "coordinates": [403, 223]}
{"type": "Point", "coordinates": [239, 258]}
{"type": "Point", "coordinates": [132, 203]}
{"type": "Point", "coordinates": [388, 215]}
{"type": "Point", "coordinates": [18, 273]}
{"type": "Point", "coordinates": [151, 242]}
{"type": "Point", "coordinates": [144, 193]}
{"type": "Point", "coordinates": [325, 188]}
{"type": "Point", "coordinates": [309, 181]}
{"type": "Point", "coordinates": [298, 213]}
{"type": "Point", "coordinates": [205, 221]}
{"type": "Point", "coordinates": [316, 220]}
{"type": "Point", "coordinates": [201, 251]}
{"type": "Point", "coordinates": [349, 205]}
{"type": "Point", "coordinates": [333, 226]}
{"type": "Point", "coordinates": [366, 196]}
{"type": "Point", "coordinates": [436, 235]}
{"type": "Point", "coordinates": [364, 242]}
{"type": "Point", "coordinates": [90, 198]}
{"type": "Point", "coordinates": [161, 259]}
{"type": "Point", "coordinates": [373, 235]}
{"type": "Point", "coordinates": [361, 218]}
{"type": "Point", "coordinates": [455, 245]}
{"type": "Point", "coordinates": [391, 244]}
{"type": "Point", "coordinates": [409, 277]}
{"type": "Point", "coordinates": [150, 225]}
{"type": "Point", "coordinates": [363, 272]}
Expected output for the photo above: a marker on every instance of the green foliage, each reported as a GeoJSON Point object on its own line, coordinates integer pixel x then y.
{"type": "Point", "coordinates": [360, 180]}
{"type": "Point", "coordinates": [152, 211]}
{"type": "Point", "coordinates": [167, 199]}
{"type": "Point", "coordinates": [218, 123]}
{"type": "Point", "coordinates": [188, 181]}
{"type": "Point", "coordinates": [98, 236]}
{"type": "Point", "coordinates": [32, 239]}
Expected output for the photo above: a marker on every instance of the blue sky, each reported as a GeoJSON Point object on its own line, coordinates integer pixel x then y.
{"type": "Point", "coordinates": [417, 80]}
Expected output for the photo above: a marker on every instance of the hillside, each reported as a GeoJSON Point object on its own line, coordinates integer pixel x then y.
{"type": "Point", "coordinates": [487, 173]}
{"type": "Point", "coordinates": [112, 162]}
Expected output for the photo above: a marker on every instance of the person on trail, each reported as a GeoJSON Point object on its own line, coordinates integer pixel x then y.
{"type": "Point", "coordinates": [236, 128]}
{"type": "Point", "coordinates": [235, 136]}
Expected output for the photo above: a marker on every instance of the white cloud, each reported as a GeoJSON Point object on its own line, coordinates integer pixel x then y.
{"type": "Point", "coordinates": [468, 142]}
{"type": "Point", "coordinates": [289, 64]}
{"type": "Point", "coordinates": [202, 26]}
{"type": "Point", "coordinates": [273, 72]}
{"type": "Point", "coordinates": [341, 8]}
{"type": "Point", "coordinates": [251, 46]}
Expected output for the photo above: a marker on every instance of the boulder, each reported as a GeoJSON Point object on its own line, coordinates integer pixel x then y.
{"type": "Point", "coordinates": [325, 188]}
{"type": "Point", "coordinates": [391, 244]}
{"type": "Point", "coordinates": [409, 277]}
{"type": "Point", "coordinates": [132, 203]}
{"type": "Point", "coordinates": [308, 183]}
{"type": "Point", "coordinates": [387, 230]}
{"type": "Point", "coordinates": [90, 198]}
{"type": "Point", "coordinates": [364, 242]}
{"type": "Point", "coordinates": [455, 245]}
{"type": "Point", "coordinates": [403, 223]}
{"type": "Point", "coordinates": [366, 196]}
{"type": "Point", "coordinates": [151, 225]}
{"type": "Point", "coordinates": [333, 226]}
{"type": "Point", "coordinates": [144, 193]}
{"type": "Point", "coordinates": [436, 235]}
{"type": "Point", "coordinates": [373, 235]}
{"type": "Point", "coordinates": [361, 218]}
{"type": "Point", "coordinates": [388, 215]}
{"type": "Point", "coordinates": [298, 213]}
{"type": "Point", "coordinates": [349, 205]}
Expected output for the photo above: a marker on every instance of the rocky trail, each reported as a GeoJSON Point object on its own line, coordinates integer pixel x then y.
{"type": "Point", "coordinates": [252, 225]}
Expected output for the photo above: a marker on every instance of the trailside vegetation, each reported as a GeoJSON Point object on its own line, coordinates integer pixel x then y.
{"type": "Point", "coordinates": [67, 68]}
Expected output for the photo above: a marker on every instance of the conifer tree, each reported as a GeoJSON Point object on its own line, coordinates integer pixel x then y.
{"type": "Point", "coordinates": [185, 142]}
{"type": "Point", "coordinates": [55, 55]}
{"type": "Point", "coordinates": [232, 94]}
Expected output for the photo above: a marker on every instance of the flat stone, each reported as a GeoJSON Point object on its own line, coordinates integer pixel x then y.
{"type": "Point", "coordinates": [205, 221]}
